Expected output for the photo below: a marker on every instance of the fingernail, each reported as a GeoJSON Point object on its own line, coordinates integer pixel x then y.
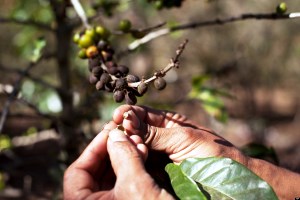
{"type": "Point", "coordinates": [116, 135]}
{"type": "Point", "coordinates": [135, 122]}
{"type": "Point", "coordinates": [126, 115]}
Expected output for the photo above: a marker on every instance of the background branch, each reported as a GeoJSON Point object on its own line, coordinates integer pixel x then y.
{"type": "Point", "coordinates": [164, 31]}
{"type": "Point", "coordinates": [27, 23]}
{"type": "Point", "coordinates": [15, 92]}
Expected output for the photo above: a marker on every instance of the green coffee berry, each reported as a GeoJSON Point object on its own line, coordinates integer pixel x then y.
{"type": "Point", "coordinates": [91, 33]}
{"type": "Point", "coordinates": [125, 25]}
{"type": "Point", "coordinates": [85, 41]}
{"type": "Point", "coordinates": [281, 8]}
{"type": "Point", "coordinates": [76, 38]}
{"type": "Point", "coordinates": [102, 32]}
{"type": "Point", "coordinates": [82, 54]}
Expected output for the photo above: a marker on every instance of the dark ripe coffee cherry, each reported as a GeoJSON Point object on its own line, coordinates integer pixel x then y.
{"type": "Point", "coordinates": [105, 77]}
{"type": "Point", "coordinates": [100, 85]}
{"type": "Point", "coordinates": [119, 96]}
{"type": "Point", "coordinates": [121, 83]}
{"type": "Point", "coordinates": [132, 78]}
{"type": "Point", "coordinates": [123, 69]}
{"type": "Point", "coordinates": [125, 25]}
{"type": "Point", "coordinates": [110, 64]}
{"type": "Point", "coordinates": [160, 83]}
{"type": "Point", "coordinates": [110, 50]}
{"type": "Point", "coordinates": [85, 41]}
{"type": "Point", "coordinates": [107, 56]}
{"type": "Point", "coordinates": [94, 62]}
{"type": "Point", "coordinates": [142, 88]}
{"type": "Point", "coordinates": [112, 70]}
{"type": "Point", "coordinates": [92, 51]}
{"type": "Point", "coordinates": [109, 87]}
{"type": "Point", "coordinates": [82, 54]}
{"type": "Point", "coordinates": [97, 71]}
{"type": "Point", "coordinates": [102, 45]}
{"type": "Point", "coordinates": [177, 3]}
{"type": "Point", "coordinates": [93, 79]}
{"type": "Point", "coordinates": [130, 98]}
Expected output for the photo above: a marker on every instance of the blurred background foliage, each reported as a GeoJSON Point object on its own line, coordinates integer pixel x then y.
{"type": "Point", "coordinates": [240, 79]}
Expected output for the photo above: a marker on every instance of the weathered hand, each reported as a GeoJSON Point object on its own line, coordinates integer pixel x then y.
{"type": "Point", "coordinates": [174, 134]}
{"type": "Point", "coordinates": [112, 167]}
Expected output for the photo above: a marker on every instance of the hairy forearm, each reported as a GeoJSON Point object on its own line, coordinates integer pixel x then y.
{"type": "Point", "coordinates": [284, 182]}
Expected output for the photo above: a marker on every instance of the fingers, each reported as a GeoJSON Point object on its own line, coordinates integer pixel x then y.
{"type": "Point", "coordinates": [142, 149]}
{"type": "Point", "coordinates": [157, 118]}
{"type": "Point", "coordinates": [79, 177]}
{"type": "Point", "coordinates": [95, 151]}
{"type": "Point", "coordinates": [133, 182]}
{"type": "Point", "coordinates": [124, 155]}
{"type": "Point", "coordinates": [150, 116]}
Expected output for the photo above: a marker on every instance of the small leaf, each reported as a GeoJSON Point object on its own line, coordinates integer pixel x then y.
{"type": "Point", "coordinates": [211, 103]}
{"type": "Point", "coordinates": [224, 178]}
{"type": "Point", "coordinates": [5, 142]}
{"type": "Point", "coordinates": [2, 181]}
{"type": "Point", "coordinates": [260, 151]}
{"type": "Point", "coordinates": [198, 81]}
{"type": "Point", "coordinates": [184, 187]}
{"type": "Point", "coordinates": [39, 45]}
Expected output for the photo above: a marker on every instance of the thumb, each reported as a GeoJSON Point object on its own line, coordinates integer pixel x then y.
{"type": "Point", "coordinates": [133, 182]}
{"type": "Point", "coordinates": [125, 158]}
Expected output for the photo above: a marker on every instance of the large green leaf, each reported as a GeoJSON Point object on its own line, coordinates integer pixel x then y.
{"type": "Point", "coordinates": [184, 187]}
{"type": "Point", "coordinates": [224, 178]}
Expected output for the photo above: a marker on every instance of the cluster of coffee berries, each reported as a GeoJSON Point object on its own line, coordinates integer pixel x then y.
{"type": "Point", "coordinates": [160, 4]}
{"type": "Point", "coordinates": [105, 73]}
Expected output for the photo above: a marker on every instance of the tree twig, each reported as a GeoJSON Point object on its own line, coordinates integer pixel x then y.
{"type": "Point", "coordinates": [164, 31]}
{"type": "Point", "coordinates": [27, 22]}
{"type": "Point", "coordinates": [36, 110]}
{"type": "Point", "coordinates": [15, 92]}
{"type": "Point", "coordinates": [174, 63]}
{"type": "Point", "coordinates": [27, 75]}
{"type": "Point", "coordinates": [249, 16]}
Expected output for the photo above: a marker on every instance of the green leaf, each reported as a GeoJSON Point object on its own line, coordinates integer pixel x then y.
{"type": "Point", "coordinates": [5, 142]}
{"type": "Point", "coordinates": [198, 81]}
{"type": "Point", "coordinates": [224, 178]}
{"type": "Point", "coordinates": [211, 103]}
{"type": "Point", "coordinates": [184, 187]}
{"type": "Point", "coordinates": [39, 45]}
{"type": "Point", "coordinates": [2, 181]}
{"type": "Point", "coordinates": [260, 151]}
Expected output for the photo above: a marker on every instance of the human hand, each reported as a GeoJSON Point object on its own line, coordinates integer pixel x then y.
{"type": "Point", "coordinates": [180, 138]}
{"type": "Point", "coordinates": [174, 134]}
{"type": "Point", "coordinates": [112, 167]}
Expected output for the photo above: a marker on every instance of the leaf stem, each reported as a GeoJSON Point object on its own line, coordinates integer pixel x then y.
{"type": "Point", "coordinates": [80, 11]}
